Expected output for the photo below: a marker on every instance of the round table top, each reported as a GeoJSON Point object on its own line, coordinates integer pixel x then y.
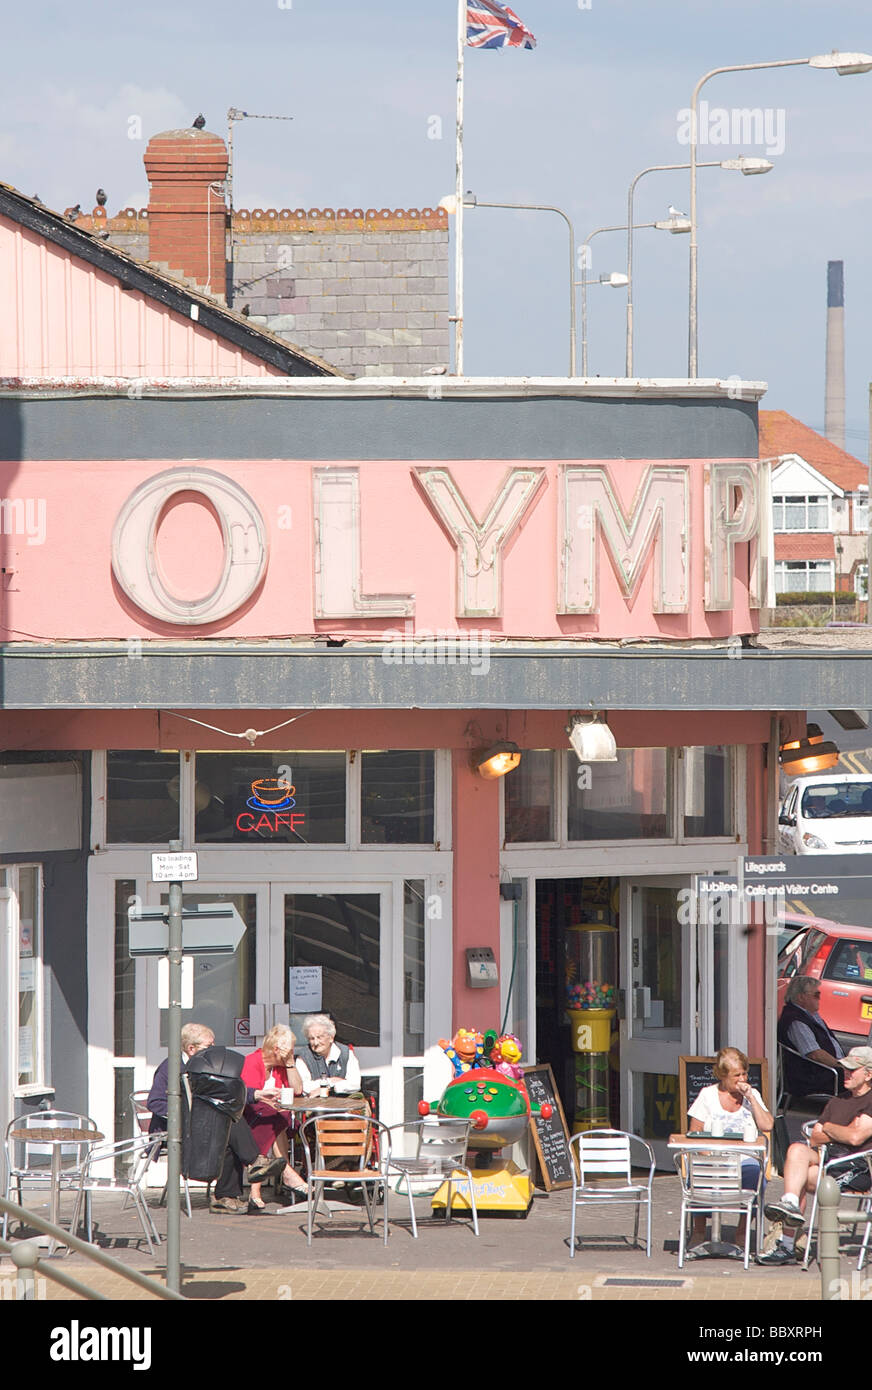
{"type": "Point", "coordinates": [313, 1103]}
{"type": "Point", "coordinates": [40, 1134]}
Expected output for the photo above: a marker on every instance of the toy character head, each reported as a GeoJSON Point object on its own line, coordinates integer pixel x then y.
{"type": "Point", "coordinates": [507, 1049]}
{"type": "Point", "coordinates": [465, 1043]}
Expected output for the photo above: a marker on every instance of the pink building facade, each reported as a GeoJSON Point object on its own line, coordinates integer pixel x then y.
{"type": "Point", "coordinates": [358, 593]}
{"type": "Point", "coordinates": [282, 617]}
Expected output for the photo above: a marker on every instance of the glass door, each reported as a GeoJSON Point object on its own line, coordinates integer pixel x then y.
{"type": "Point", "coordinates": [334, 955]}
{"type": "Point", "coordinates": [659, 974]}
{"type": "Point", "coordinates": [224, 986]}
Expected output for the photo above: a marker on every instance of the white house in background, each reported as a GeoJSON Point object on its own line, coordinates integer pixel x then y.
{"type": "Point", "coordinates": [820, 499]}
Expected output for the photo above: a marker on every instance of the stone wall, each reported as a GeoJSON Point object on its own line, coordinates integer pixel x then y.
{"type": "Point", "coordinates": [368, 291]}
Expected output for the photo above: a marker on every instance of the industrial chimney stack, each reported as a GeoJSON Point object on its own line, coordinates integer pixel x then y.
{"type": "Point", "coordinates": [834, 403]}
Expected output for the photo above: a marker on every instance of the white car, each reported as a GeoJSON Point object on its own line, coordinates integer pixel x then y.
{"type": "Point", "coordinates": [827, 815]}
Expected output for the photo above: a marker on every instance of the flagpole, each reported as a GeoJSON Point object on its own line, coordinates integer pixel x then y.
{"type": "Point", "coordinates": [458, 192]}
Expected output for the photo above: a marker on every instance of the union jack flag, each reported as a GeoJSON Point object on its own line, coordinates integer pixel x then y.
{"type": "Point", "coordinates": [489, 25]}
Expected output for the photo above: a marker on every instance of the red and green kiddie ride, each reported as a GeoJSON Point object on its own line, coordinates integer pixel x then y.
{"type": "Point", "coordinates": [499, 1109]}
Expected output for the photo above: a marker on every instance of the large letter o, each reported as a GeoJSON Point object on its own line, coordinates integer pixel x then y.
{"type": "Point", "coordinates": [134, 553]}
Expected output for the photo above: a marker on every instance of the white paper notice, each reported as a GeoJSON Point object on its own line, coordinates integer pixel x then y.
{"type": "Point", "coordinates": [304, 989]}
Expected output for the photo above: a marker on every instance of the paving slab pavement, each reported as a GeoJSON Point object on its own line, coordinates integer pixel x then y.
{"type": "Point", "coordinates": [229, 1258]}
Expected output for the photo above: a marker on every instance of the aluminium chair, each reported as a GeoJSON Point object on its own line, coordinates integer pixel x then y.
{"type": "Point", "coordinates": [441, 1145]}
{"type": "Point", "coordinates": [827, 1080]}
{"type": "Point", "coordinates": [711, 1184]}
{"type": "Point", "coordinates": [361, 1141]}
{"type": "Point", "coordinates": [29, 1161]}
{"type": "Point", "coordinates": [602, 1175]}
{"type": "Point", "coordinates": [832, 1167]}
{"type": "Point", "coordinates": [142, 1118]}
{"type": "Point", "coordinates": [119, 1168]}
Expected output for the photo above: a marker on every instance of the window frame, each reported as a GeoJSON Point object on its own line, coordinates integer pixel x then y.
{"type": "Point", "coordinates": [806, 500]}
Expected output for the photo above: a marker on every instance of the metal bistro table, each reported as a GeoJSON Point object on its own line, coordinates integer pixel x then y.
{"type": "Point", "coordinates": [757, 1149]}
{"type": "Point", "coordinates": [83, 1139]}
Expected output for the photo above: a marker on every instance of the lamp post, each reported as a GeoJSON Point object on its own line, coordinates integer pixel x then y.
{"type": "Point", "coordinates": [617, 280]}
{"type": "Point", "coordinates": [745, 164]}
{"type": "Point", "coordinates": [470, 201]}
{"type": "Point", "coordinates": [845, 64]}
{"type": "Point", "coordinates": [671, 224]}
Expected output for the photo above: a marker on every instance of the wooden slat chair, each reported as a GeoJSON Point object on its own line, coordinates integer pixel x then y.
{"type": "Point", "coordinates": [357, 1139]}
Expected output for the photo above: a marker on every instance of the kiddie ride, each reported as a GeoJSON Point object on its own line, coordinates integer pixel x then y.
{"type": "Point", "coordinates": [488, 1089]}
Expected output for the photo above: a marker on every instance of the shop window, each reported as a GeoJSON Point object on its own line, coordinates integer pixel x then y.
{"type": "Point", "coordinates": [340, 933]}
{"type": "Point", "coordinates": [125, 971]}
{"type": "Point", "coordinates": [630, 799]}
{"type": "Point", "coordinates": [708, 792]}
{"type": "Point", "coordinates": [142, 798]}
{"type": "Point", "coordinates": [529, 799]}
{"type": "Point", "coordinates": [396, 798]}
{"type": "Point", "coordinates": [413, 967]}
{"type": "Point", "coordinates": [270, 798]}
{"type": "Point", "coordinates": [26, 884]}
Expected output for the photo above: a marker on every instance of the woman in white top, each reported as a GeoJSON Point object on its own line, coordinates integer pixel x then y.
{"type": "Point", "coordinates": [731, 1107]}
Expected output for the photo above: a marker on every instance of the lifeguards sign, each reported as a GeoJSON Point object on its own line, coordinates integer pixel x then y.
{"type": "Point", "coordinates": [686, 540]}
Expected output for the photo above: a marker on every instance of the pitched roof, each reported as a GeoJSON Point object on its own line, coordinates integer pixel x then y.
{"type": "Point", "coordinates": [781, 434]}
{"type": "Point", "coordinates": [135, 275]}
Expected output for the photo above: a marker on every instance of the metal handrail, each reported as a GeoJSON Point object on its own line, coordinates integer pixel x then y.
{"type": "Point", "coordinates": [25, 1256]}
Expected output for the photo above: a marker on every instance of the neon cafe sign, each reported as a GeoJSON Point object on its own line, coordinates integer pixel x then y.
{"type": "Point", "coordinates": [270, 807]}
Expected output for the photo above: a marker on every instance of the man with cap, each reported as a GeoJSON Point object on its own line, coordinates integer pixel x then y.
{"type": "Point", "coordinates": [845, 1127]}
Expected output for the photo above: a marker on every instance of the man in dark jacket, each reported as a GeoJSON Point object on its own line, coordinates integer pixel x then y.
{"type": "Point", "coordinates": [802, 1029]}
{"type": "Point", "coordinates": [241, 1149]}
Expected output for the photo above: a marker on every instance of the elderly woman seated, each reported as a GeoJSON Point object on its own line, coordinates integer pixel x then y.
{"type": "Point", "coordinates": [266, 1073]}
{"type": "Point", "coordinates": [324, 1063]}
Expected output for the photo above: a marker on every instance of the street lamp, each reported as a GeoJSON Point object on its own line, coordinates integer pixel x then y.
{"type": "Point", "coordinates": [470, 201]}
{"type": "Point", "coordinates": [845, 64]}
{"type": "Point", "coordinates": [675, 223]}
{"type": "Point", "coordinates": [616, 280]}
{"type": "Point", "coordinates": [745, 164]}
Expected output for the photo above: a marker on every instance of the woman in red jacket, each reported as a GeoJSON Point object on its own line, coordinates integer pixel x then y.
{"type": "Point", "coordinates": [266, 1072]}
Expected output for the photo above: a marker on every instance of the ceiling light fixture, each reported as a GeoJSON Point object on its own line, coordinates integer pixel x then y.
{"type": "Point", "coordinates": [810, 754]}
{"type": "Point", "coordinates": [592, 741]}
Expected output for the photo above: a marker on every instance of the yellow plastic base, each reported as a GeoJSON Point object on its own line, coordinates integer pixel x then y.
{"type": "Point", "coordinates": [506, 1188]}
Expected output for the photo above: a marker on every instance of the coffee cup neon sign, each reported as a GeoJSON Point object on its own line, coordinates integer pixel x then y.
{"type": "Point", "coordinates": [270, 808]}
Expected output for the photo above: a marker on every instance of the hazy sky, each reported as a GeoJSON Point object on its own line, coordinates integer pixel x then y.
{"type": "Point", "coordinates": [567, 124]}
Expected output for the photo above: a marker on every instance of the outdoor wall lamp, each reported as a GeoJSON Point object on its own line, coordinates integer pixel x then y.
{"type": "Point", "coordinates": [497, 760]}
{"type": "Point", "coordinates": [810, 754]}
{"type": "Point", "coordinates": [592, 741]}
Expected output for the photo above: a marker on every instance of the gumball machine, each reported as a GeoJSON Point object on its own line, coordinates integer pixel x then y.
{"type": "Point", "coordinates": [591, 996]}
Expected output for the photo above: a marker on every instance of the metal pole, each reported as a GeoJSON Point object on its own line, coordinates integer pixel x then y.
{"type": "Point", "coordinates": [652, 169]}
{"type": "Point", "coordinates": [458, 196]}
{"type": "Point", "coordinates": [545, 207]}
{"type": "Point", "coordinates": [692, 333]}
{"type": "Point", "coordinates": [828, 1238]}
{"type": "Point", "coordinates": [584, 283]}
{"type": "Point", "coordinates": [174, 1091]}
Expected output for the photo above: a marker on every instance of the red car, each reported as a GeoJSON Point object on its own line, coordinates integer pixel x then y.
{"type": "Point", "coordinates": [841, 958]}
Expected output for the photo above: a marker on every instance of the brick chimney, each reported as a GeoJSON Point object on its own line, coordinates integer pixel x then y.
{"type": "Point", "coordinates": [187, 218]}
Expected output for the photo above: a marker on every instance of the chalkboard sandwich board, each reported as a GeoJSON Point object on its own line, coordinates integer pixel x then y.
{"type": "Point", "coordinates": [550, 1137]}
{"type": "Point", "coordinates": [695, 1073]}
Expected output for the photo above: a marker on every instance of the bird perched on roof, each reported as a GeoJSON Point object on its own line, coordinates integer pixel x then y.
{"type": "Point", "coordinates": [101, 197]}
{"type": "Point", "coordinates": [72, 213]}
{"type": "Point", "coordinates": [199, 121]}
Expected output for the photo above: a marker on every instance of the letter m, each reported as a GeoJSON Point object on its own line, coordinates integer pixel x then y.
{"type": "Point", "coordinates": [657, 524]}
